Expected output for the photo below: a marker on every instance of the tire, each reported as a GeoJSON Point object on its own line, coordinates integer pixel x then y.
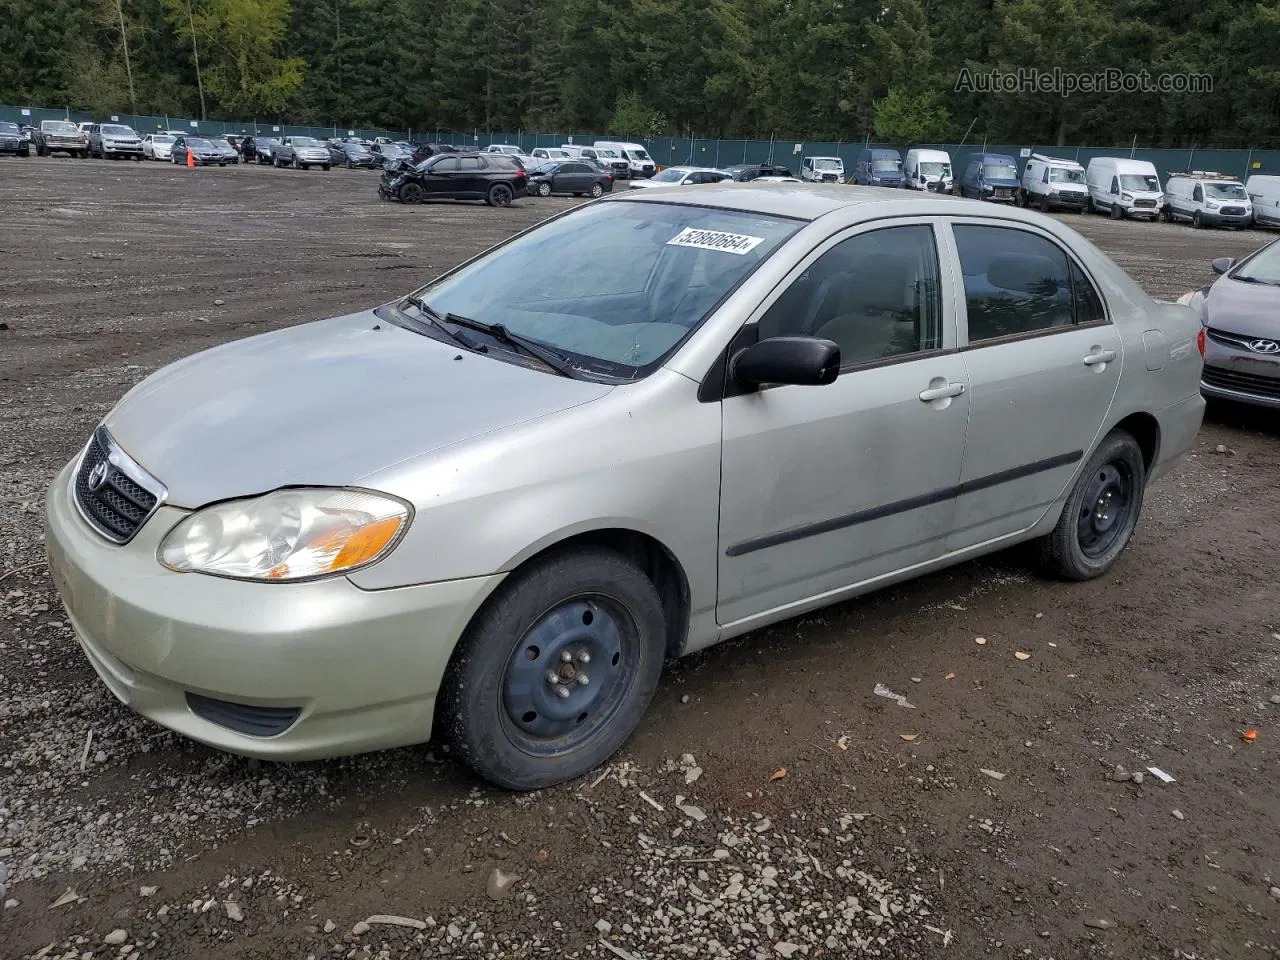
{"type": "Point", "coordinates": [1196, 221]}
{"type": "Point", "coordinates": [1117, 212]}
{"type": "Point", "coordinates": [499, 195]}
{"type": "Point", "coordinates": [597, 191]}
{"type": "Point", "coordinates": [324, 166]}
{"type": "Point", "coordinates": [1086, 543]}
{"type": "Point", "coordinates": [40, 151]}
{"type": "Point", "coordinates": [544, 189]}
{"type": "Point", "coordinates": [349, 165]}
{"type": "Point", "coordinates": [1044, 205]}
{"type": "Point", "coordinates": [297, 165]}
{"type": "Point", "coordinates": [497, 705]}
{"type": "Point", "coordinates": [412, 193]}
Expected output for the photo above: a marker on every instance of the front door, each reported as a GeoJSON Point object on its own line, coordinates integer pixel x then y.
{"type": "Point", "coordinates": [1043, 362]}
{"type": "Point", "coordinates": [826, 487]}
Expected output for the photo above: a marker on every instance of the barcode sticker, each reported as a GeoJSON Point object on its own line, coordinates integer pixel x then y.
{"type": "Point", "coordinates": [715, 240]}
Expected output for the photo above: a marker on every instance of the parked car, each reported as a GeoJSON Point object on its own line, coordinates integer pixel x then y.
{"type": "Point", "coordinates": [681, 177]}
{"type": "Point", "coordinates": [1206, 199]}
{"type": "Point", "coordinates": [225, 150]}
{"type": "Point", "coordinates": [878, 167]}
{"type": "Point", "coordinates": [578, 177]}
{"type": "Point", "coordinates": [639, 163]}
{"type": "Point", "coordinates": [302, 153]}
{"type": "Point", "coordinates": [495, 178]}
{"type": "Point", "coordinates": [516, 509]}
{"type": "Point", "coordinates": [543, 154]}
{"type": "Point", "coordinates": [991, 176]}
{"type": "Point", "coordinates": [777, 180]}
{"type": "Point", "coordinates": [508, 148]}
{"type": "Point", "coordinates": [1241, 316]}
{"type": "Point", "coordinates": [85, 127]}
{"type": "Point", "coordinates": [156, 146]}
{"type": "Point", "coordinates": [925, 169]}
{"type": "Point", "coordinates": [608, 158]}
{"type": "Point", "coordinates": [263, 147]}
{"type": "Point", "coordinates": [1051, 183]}
{"type": "Point", "coordinates": [388, 155]}
{"type": "Point", "coordinates": [202, 151]}
{"type": "Point", "coordinates": [822, 170]}
{"type": "Point", "coordinates": [1124, 188]}
{"type": "Point", "coordinates": [350, 154]}
{"type": "Point", "coordinates": [59, 136]}
{"type": "Point", "coordinates": [1264, 195]}
{"type": "Point", "coordinates": [746, 172]}
{"type": "Point", "coordinates": [237, 141]}
{"type": "Point", "coordinates": [12, 141]}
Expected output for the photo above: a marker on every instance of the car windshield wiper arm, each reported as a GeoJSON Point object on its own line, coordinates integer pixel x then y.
{"type": "Point", "coordinates": [503, 335]}
{"type": "Point", "coordinates": [437, 321]}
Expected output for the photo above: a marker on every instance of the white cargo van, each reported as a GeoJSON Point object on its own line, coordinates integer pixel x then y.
{"type": "Point", "coordinates": [927, 170]}
{"type": "Point", "coordinates": [1053, 183]}
{"type": "Point", "coordinates": [1207, 199]}
{"type": "Point", "coordinates": [822, 170]}
{"type": "Point", "coordinates": [1123, 187]}
{"type": "Point", "coordinates": [639, 163]}
{"type": "Point", "coordinates": [1264, 194]}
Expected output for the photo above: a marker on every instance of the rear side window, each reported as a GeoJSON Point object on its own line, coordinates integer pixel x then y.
{"type": "Point", "coordinates": [1015, 282]}
{"type": "Point", "coordinates": [471, 163]}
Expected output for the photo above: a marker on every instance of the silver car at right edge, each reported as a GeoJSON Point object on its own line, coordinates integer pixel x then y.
{"type": "Point", "coordinates": [1240, 312]}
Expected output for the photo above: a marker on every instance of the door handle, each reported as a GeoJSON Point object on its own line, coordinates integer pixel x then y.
{"type": "Point", "coordinates": [942, 392]}
{"type": "Point", "coordinates": [1099, 356]}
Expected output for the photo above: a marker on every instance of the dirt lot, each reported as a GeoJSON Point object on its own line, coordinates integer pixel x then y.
{"type": "Point", "coordinates": [872, 844]}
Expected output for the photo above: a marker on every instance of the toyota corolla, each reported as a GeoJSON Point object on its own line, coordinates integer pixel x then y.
{"type": "Point", "coordinates": [493, 508]}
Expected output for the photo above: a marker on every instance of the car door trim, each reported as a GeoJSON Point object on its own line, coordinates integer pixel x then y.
{"type": "Point", "coordinates": [1033, 335]}
{"type": "Point", "coordinates": [831, 524]}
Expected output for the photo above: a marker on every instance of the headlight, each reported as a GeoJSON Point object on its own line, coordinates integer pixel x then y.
{"type": "Point", "coordinates": [1211, 205]}
{"type": "Point", "coordinates": [295, 534]}
{"type": "Point", "coordinates": [1127, 197]}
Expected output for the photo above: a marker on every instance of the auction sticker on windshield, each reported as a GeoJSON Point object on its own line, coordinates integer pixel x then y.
{"type": "Point", "coordinates": [715, 240]}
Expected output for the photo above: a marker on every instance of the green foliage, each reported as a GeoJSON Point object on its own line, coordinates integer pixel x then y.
{"type": "Point", "coordinates": [802, 69]}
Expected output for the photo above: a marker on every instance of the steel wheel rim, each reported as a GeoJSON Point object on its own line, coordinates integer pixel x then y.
{"type": "Point", "coordinates": [1105, 509]}
{"type": "Point", "coordinates": [546, 706]}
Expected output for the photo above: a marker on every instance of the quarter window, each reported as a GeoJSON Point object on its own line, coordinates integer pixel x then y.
{"type": "Point", "coordinates": [1016, 282]}
{"type": "Point", "coordinates": [875, 294]}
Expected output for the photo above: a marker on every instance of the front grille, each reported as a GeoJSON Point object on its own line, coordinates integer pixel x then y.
{"type": "Point", "coordinates": [1230, 339]}
{"type": "Point", "coordinates": [1247, 382]}
{"type": "Point", "coordinates": [1144, 203]}
{"type": "Point", "coordinates": [115, 503]}
{"type": "Point", "coordinates": [1233, 211]}
{"type": "Point", "coordinates": [242, 717]}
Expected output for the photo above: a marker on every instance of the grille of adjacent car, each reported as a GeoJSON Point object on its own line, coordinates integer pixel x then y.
{"type": "Point", "coordinates": [1233, 211]}
{"type": "Point", "coordinates": [1144, 203]}
{"type": "Point", "coordinates": [115, 503]}
{"type": "Point", "coordinates": [243, 717]}
{"type": "Point", "coordinates": [1246, 382]}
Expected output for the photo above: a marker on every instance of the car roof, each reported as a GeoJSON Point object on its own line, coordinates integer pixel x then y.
{"type": "Point", "coordinates": [803, 201]}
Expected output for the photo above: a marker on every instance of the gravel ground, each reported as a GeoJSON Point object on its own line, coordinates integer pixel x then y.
{"type": "Point", "coordinates": [771, 804]}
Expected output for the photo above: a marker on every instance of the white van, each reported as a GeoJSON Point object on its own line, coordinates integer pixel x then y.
{"type": "Point", "coordinates": [822, 170]}
{"type": "Point", "coordinates": [1206, 198]}
{"type": "Point", "coordinates": [1264, 195]}
{"type": "Point", "coordinates": [1123, 187]}
{"type": "Point", "coordinates": [638, 160]}
{"type": "Point", "coordinates": [1053, 183]}
{"type": "Point", "coordinates": [927, 170]}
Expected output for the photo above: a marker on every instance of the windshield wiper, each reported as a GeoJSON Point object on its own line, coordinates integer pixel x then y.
{"type": "Point", "coordinates": [1245, 278]}
{"type": "Point", "coordinates": [503, 335]}
{"type": "Point", "coordinates": [437, 321]}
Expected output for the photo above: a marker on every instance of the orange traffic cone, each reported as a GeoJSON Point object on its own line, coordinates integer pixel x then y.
{"type": "Point", "coordinates": [191, 158]}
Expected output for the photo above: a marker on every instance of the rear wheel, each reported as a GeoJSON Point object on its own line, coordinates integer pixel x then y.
{"type": "Point", "coordinates": [555, 672]}
{"type": "Point", "coordinates": [544, 189]}
{"type": "Point", "coordinates": [1101, 513]}
{"type": "Point", "coordinates": [597, 190]}
{"type": "Point", "coordinates": [499, 195]}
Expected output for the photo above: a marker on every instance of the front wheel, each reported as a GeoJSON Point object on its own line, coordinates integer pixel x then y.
{"type": "Point", "coordinates": [324, 166]}
{"type": "Point", "coordinates": [1101, 512]}
{"type": "Point", "coordinates": [1197, 221]}
{"type": "Point", "coordinates": [412, 193]}
{"type": "Point", "coordinates": [499, 195]}
{"type": "Point", "coordinates": [1117, 211]}
{"type": "Point", "coordinates": [555, 672]}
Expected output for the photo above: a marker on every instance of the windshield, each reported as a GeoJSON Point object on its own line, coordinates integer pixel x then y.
{"type": "Point", "coordinates": [933, 168]}
{"type": "Point", "coordinates": [304, 142]}
{"type": "Point", "coordinates": [885, 165]}
{"type": "Point", "coordinates": [355, 148]}
{"type": "Point", "coordinates": [59, 126]}
{"type": "Point", "coordinates": [6, 127]}
{"type": "Point", "coordinates": [999, 171]}
{"type": "Point", "coordinates": [1063, 175]}
{"type": "Point", "coordinates": [199, 144]}
{"type": "Point", "coordinates": [547, 168]}
{"type": "Point", "coordinates": [825, 163]}
{"type": "Point", "coordinates": [638, 154]}
{"type": "Point", "coordinates": [602, 152]}
{"type": "Point", "coordinates": [1264, 267]}
{"type": "Point", "coordinates": [118, 130]}
{"type": "Point", "coordinates": [615, 286]}
{"type": "Point", "coordinates": [1140, 181]}
{"type": "Point", "coordinates": [669, 175]}
{"type": "Point", "coordinates": [1224, 191]}
{"type": "Point", "coordinates": [161, 139]}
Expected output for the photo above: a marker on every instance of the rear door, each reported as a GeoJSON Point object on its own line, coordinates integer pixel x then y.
{"type": "Point", "coordinates": [1043, 363]}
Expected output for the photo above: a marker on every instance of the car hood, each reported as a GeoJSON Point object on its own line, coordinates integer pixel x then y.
{"type": "Point", "coordinates": [1249, 309]}
{"type": "Point", "coordinates": [325, 403]}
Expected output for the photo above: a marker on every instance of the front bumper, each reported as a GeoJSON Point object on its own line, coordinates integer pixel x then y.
{"type": "Point", "coordinates": [122, 150]}
{"type": "Point", "coordinates": [1215, 219]}
{"type": "Point", "coordinates": [361, 668]}
{"type": "Point", "coordinates": [315, 161]}
{"type": "Point", "coordinates": [1239, 374]}
{"type": "Point", "coordinates": [1068, 201]}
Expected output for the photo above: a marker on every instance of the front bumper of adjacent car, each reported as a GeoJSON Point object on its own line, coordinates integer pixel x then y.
{"type": "Point", "coordinates": [282, 671]}
{"type": "Point", "coordinates": [1234, 372]}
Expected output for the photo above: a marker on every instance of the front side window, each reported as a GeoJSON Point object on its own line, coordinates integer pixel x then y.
{"type": "Point", "coordinates": [615, 286]}
{"type": "Point", "coordinates": [447, 165]}
{"type": "Point", "coordinates": [875, 294]}
{"type": "Point", "coordinates": [1015, 282]}
{"type": "Point", "coordinates": [1197, 194]}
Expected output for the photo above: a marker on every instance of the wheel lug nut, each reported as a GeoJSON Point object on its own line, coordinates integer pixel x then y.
{"type": "Point", "coordinates": [562, 692]}
{"type": "Point", "coordinates": [584, 657]}
{"type": "Point", "coordinates": [583, 679]}
{"type": "Point", "coordinates": [566, 656]}
{"type": "Point", "coordinates": [552, 677]}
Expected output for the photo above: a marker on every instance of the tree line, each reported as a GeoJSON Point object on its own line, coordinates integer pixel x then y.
{"type": "Point", "coordinates": [803, 69]}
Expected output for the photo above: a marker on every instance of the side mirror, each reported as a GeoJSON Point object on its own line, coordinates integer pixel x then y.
{"type": "Point", "coordinates": [800, 361]}
{"type": "Point", "coordinates": [1222, 264]}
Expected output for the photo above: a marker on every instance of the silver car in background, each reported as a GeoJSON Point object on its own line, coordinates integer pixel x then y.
{"type": "Point", "coordinates": [157, 146]}
{"type": "Point", "coordinates": [300, 152]}
{"type": "Point", "coordinates": [645, 426]}
{"type": "Point", "coordinates": [113, 141]}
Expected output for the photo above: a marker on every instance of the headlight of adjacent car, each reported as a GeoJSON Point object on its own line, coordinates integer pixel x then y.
{"type": "Point", "coordinates": [1127, 197]}
{"type": "Point", "coordinates": [294, 534]}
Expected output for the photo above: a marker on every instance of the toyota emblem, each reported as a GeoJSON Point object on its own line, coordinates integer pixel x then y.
{"type": "Point", "coordinates": [98, 476]}
{"type": "Point", "coordinates": [1264, 346]}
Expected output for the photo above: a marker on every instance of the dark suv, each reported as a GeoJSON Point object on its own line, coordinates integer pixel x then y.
{"type": "Point", "coordinates": [745, 172]}
{"type": "Point", "coordinates": [494, 178]}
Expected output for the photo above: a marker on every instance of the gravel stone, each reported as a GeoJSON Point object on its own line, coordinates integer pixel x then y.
{"type": "Point", "coordinates": [115, 937]}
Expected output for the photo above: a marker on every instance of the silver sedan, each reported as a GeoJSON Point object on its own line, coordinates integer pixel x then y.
{"type": "Point", "coordinates": [493, 508]}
